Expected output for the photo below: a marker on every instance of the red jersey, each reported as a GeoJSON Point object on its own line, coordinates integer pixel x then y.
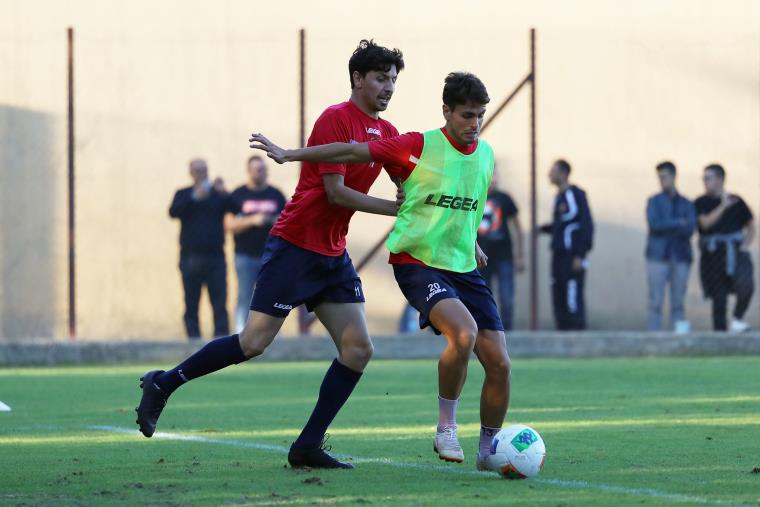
{"type": "Point", "coordinates": [400, 155]}
{"type": "Point", "coordinates": [309, 220]}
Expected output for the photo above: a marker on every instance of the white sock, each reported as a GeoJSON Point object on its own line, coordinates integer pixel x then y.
{"type": "Point", "coordinates": [486, 438]}
{"type": "Point", "coordinates": [447, 413]}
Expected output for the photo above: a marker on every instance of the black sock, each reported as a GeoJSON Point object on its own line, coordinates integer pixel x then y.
{"type": "Point", "coordinates": [337, 386]}
{"type": "Point", "coordinates": [215, 355]}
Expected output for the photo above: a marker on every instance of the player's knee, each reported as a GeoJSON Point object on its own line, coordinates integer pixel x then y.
{"type": "Point", "coordinates": [250, 346]}
{"type": "Point", "coordinates": [464, 341]}
{"type": "Point", "coordinates": [357, 356]}
{"type": "Point", "coordinates": [500, 367]}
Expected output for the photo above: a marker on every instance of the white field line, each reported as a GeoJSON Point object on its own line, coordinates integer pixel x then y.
{"type": "Point", "coordinates": [607, 488]}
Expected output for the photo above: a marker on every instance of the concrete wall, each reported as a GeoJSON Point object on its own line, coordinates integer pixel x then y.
{"type": "Point", "coordinates": [621, 86]}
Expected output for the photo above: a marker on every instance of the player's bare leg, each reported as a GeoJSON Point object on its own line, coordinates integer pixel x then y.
{"type": "Point", "coordinates": [158, 385]}
{"type": "Point", "coordinates": [259, 333]}
{"type": "Point", "coordinates": [452, 318]}
{"type": "Point", "coordinates": [347, 325]}
{"type": "Point", "coordinates": [491, 349]}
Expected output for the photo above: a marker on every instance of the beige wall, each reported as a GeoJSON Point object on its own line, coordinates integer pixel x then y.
{"type": "Point", "coordinates": [621, 85]}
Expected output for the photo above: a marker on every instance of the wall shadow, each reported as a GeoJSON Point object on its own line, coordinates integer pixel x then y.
{"type": "Point", "coordinates": [28, 205]}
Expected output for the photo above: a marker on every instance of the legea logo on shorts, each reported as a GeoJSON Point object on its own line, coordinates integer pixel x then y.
{"type": "Point", "coordinates": [283, 307]}
{"type": "Point", "coordinates": [434, 288]}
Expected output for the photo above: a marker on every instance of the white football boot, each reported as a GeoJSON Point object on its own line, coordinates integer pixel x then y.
{"type": "Point", "coordinates": [446, 444]}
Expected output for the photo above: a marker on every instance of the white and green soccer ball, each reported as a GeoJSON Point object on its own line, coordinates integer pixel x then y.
{"type": "Point", "coordinates": [517, 452]}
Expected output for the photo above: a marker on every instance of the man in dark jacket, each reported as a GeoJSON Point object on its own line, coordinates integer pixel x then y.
{"type": "Point", "coordinates": [672, 219]}
{"type": "Point", "coordinates": [572, 231]}
{"type": "Point", "coordinates": [200, 209]}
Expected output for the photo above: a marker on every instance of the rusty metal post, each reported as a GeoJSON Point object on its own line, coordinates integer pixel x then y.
{"type": "Point", "coordinates": [533, 230]}
{"type": "Point", "coordinates": [302, 85]}
{"type": "Point", "coordinates": [71, 188]}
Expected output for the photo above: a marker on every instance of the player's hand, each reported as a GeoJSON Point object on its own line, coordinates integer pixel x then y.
{"type": "Point", "coordinates": [577, 264]}
{"type": "Point", "coordinates": [400, 194]}
{"type": "Point", "coordinates": [480, 257]}
{"type": "Point", "coordinates": [259, 142]}
{"type": "Point", "coordinates": [728, 200]}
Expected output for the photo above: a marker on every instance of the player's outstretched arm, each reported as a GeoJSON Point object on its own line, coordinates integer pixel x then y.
{"type": "Point", "coordinates": [338, 153]}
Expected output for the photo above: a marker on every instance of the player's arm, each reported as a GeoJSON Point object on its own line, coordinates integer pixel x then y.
{"type": "Point", "coordinates": [341, 195]}
{"type": "Point", "coordinates": [337, 153]}
{"type": "Point", "coordinates": [481, 259]}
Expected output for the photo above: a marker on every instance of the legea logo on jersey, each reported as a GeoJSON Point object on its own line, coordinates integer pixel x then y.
{"type": "Point", "coordinates": [283, 307]}
{"type": "Point", "coordinates": [370, 130]}
{"type": "Point", "coordinates": [452, 202]}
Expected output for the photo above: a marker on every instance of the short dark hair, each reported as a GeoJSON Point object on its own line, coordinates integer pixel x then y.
{"type": "Point", "coordinates": [563, 165]}
{"type": "Point", "coordinates": [369, 56]}
{"type": "Point", "coordinates": [717, 169]}
{"type": "Point", "coordinates": [667, 166]}
{"type": "Point", "coordinates": [463, 87]}
{"type": "Point", "coordinates": [255, 157]}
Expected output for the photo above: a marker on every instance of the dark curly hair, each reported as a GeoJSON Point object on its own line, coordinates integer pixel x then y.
{"type": "Point", "coordinates": [563, 165]}
{"type": "Point", "coordinates": [369, 56]}
{"type": "Point", "coordinates": [717, 169]}
{"type": "Point", "coordinates": [463, 87]}
{"type": "Point", "coordinates": [668, 167]}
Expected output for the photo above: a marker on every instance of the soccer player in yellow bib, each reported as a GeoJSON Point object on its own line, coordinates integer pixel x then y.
{"type": "Point", "coordinates": [445, 174]}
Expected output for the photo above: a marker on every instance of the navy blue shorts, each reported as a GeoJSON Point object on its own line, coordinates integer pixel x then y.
{"type": "Point", "coordinates": [291, 276]}
{"type": "Point", "coordinates": [423, 287]}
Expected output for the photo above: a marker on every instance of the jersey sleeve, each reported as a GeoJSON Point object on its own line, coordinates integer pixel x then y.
{"type": "Point", "coordinates": [399, 155]}
{"type": "Point", "coordinates": [745, 214]}
{"type": "Point", "coordinates": [329, 129]}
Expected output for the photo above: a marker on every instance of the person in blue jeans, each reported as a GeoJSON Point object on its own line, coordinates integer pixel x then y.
{"type": "Point", "coordinates": [259, 205]}
{"type": "Point", "coordinates": [500, 238]}
{"type": "Point", "coordinates": [672, 220]}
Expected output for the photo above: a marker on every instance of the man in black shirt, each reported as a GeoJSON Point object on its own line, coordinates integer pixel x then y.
{"type": "Point", "coordinates": [201, 210]}
{"type": "Point", "coordinates": [726, 229]}
{"type": "Point", "coordinates": [497, 230]}
{"type": "Point", "coordinates": [572, 231]}
{"type": "Point", "coordinates": [259, 205]}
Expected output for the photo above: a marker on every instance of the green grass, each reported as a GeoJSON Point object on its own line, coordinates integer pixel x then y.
{"type": "Point", "coordinates": [618, 432]}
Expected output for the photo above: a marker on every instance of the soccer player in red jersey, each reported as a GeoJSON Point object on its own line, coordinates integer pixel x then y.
{"type": "Point", "coordinates": [306, 262]}
{"type": "Point", "coordinates": [446, 174]}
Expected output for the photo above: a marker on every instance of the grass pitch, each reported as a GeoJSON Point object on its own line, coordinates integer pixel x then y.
{"type": "Point", "coordinates": [618, 432]}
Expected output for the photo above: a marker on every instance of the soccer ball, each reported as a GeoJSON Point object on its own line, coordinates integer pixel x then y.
{"type": "Point", "coordinates": [517, 452]}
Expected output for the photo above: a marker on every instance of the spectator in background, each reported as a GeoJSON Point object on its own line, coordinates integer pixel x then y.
{"type": "Point", "coordinates": [409, 320]}
{"type": "Point", "coordinates": [259, 205]}
{"type": "Point", "coordinates": [671, 218]}
{"type": "Point", "coordinates": [499, 230]}
{"type": "Point", "coordinates": [201, 210]}
{"type": "Point", "coordinates": [726, 229]}
{"type": "Point", "coordinates": [572, 231]}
